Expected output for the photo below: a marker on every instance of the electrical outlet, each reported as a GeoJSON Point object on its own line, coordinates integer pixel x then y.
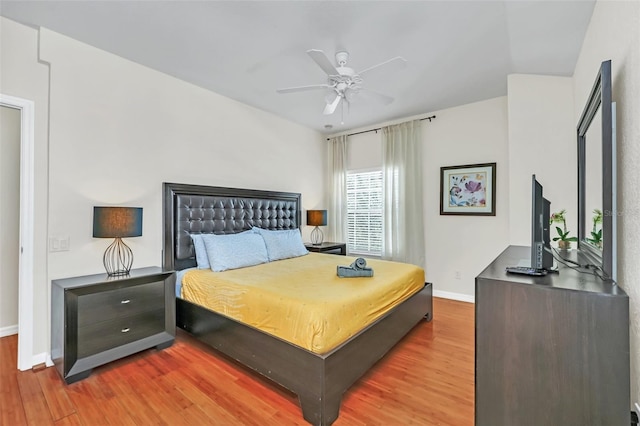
{"type": "Point", "coordinates": [457, 275]}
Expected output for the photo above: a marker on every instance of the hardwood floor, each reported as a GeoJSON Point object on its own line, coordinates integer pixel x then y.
{"type": "Point", "coordinates": [427, 379]}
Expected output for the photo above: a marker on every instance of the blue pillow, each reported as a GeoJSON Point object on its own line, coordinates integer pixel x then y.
{"type": "Point", "coordinates": [201, 252]}
{"type": "Point", "coordinates": [282, 244]}
{"type": "Point", "coordinates": [179, 276]}
{"type": "Point", "coordinates": [235, 251]}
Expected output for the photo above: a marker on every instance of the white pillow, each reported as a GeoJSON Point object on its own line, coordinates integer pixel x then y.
{"type": "Point", "coordinates": [282, 244]}
{"type": "Point", "coordinates": [201, 252]}
{"type": "Point", "coordinates": [235, 251]}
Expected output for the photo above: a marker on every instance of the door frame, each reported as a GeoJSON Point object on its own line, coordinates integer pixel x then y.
{"type": "Point", "coordinates": [26, 262]}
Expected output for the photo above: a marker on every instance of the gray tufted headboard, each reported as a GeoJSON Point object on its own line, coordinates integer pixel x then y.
{"type": "Point", "coordinates": [196, 209]}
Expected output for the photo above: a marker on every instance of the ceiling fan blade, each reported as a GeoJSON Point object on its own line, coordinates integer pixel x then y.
{"type": "Point", "coordinates": [323, 62]}
{"type": "Point", "coordinates": [393, 64]}
{"type": "Point", "coordinates": [331, 108]}
{"type": "Point", "coordinates": [384, 99]}
{"type": "Point", "coordinates": [303, 88]}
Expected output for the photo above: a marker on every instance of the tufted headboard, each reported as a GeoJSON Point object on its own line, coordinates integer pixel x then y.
{"type": "Point", "coordinates": [196, 209]}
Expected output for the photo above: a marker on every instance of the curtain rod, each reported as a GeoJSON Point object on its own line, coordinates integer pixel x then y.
{"type": "Point", "coordinates": [380, 128]}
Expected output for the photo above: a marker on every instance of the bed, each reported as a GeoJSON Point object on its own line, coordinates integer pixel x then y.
{"type": "Point", "coordinates": [319, 380]}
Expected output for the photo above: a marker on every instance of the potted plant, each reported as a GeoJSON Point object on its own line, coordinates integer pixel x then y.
{"type": "Point", "coordinates": [563, 238]}
{"type": "Point", "coordinates": [596, 234]}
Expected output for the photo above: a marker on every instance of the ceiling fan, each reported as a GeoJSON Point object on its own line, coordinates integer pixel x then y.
{"type": "Point", "coordinates": [343, 83]}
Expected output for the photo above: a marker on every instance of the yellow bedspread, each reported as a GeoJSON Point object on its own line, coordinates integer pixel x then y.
{"type": "Point", "coordinates": [302, 300]}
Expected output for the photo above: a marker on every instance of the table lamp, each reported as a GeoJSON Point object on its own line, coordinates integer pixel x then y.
{"type": "Point", "coordinates": [118, 223]}
{"type": "Point", "coordinates": [317, 218]}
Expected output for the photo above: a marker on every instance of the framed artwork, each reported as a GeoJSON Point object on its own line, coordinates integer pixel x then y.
{"type": "Point", "coordinates": [468, 190]}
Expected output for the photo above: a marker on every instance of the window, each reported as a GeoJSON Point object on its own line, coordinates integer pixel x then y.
{"type": "Point", "coordinates": [364, 212]}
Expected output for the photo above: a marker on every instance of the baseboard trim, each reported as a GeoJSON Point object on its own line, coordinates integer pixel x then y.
{"type": "Point", "coordinates": [8, 330]}
{"type": "Point", "coordinates": [43, 358]}
{"type": "Point", "coordinates": [454, 296]}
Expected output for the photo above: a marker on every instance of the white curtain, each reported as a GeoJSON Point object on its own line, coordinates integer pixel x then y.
{"type": "Point", "coordinates": [403, 223]}
{"type": "Point", "coordinates": [337, 211]}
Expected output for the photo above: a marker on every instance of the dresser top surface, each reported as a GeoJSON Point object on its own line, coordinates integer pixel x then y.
{"type": "Point", "coordinates": [567, 278]}
{"type": "Point", "coordinates": [84, 280]}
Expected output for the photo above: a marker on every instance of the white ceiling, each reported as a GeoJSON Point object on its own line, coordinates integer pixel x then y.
{"type": "Point", "coordinates": [457, 51]}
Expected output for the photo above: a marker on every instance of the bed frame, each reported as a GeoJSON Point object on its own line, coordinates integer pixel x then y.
{"type": "Point", "coordinates": [318, 380]}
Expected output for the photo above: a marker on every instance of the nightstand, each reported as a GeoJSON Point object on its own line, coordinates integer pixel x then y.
{"type": "Point", "coordinates": [97, 319]}
{"type": "Point", "coordinates": [330, 248]}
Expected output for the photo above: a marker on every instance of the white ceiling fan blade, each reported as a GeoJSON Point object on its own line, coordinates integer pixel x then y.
{"type": "Point", "coordinates": [384, 99]}
{"type": "Point", "coordinates": [331, 108]}
{"type": "Point", "coordinates": [303, 88]}
{"type": "Point", "coordinates": [323, 62]}
{"type": "Point", "coordinates": [393, 64]}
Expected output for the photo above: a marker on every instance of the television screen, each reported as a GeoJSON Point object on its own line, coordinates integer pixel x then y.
{"type": "Point", "coordinates": [541, 255]}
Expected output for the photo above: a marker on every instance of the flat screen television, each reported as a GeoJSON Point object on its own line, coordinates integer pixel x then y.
{"type": "Point", "coordinates": [541, 255]}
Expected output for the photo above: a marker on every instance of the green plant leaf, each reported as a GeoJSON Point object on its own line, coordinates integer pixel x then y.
{"type": "Point", "coordinates": [572, 239]}
{"type": "Point", "coordinates": [596, 236]}
{"type": "Point", "coordinates": [559, 230]}
{"type": "Point", "coordinates": [556, 238]}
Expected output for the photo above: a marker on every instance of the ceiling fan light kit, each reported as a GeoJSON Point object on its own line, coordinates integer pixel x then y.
{"type": "Point", "coordinates": [342, 57]}
{"type": "Point", "coordinates": [343, 82]}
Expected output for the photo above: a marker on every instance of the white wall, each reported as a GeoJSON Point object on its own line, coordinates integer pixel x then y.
{"type": "Point", "coordinates": [9, 216]}
{"type": "Point", "coordinates": [614, 33]}
{"type": "Point", "coordinates": [117, 130]}
{"type": "Point", "coordinates": [462, 246]}
{"type": "Point", "coordinates": [542, 141]}
{"type": "Point", "coordinates": [143, 128]}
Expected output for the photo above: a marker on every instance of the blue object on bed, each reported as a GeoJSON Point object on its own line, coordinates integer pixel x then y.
{"type": "Point", "coordinates": [357, 269]}
{"type": "Point", "coordinates": [179, 276]}
{"type": "Point", "coordinates": [233, 251]}
{"type": "Point", "coordinates": [201, 252]}
{"type": "Point", "coordinates": [282, 244]}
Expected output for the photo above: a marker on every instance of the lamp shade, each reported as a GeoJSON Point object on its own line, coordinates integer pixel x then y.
{"type": "Point", "coordinates": [117, 222]}
{"type": "Point", "coordinates": [317, 217]}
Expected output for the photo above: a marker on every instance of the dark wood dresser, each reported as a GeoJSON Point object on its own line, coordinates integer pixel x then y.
{"type": "Point", "coordinates": [97, 319]}
{"type": "Point", "coordinates": [550, 350]}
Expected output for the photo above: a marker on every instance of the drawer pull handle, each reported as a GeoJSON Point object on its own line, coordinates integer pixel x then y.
{"type": "Point", "coordinates": [125, 330]}
{"type": "Point", "coordinates": [124, 302]}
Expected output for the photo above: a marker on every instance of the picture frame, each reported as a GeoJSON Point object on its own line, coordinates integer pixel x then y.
{"type": "Point", "coordinates": [468, 190]}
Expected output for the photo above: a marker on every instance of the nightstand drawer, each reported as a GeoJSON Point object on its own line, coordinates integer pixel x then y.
{"type": "Point", "coordinates": [105, 335]}
{"type": "Point", "coordinates": [127, 301]}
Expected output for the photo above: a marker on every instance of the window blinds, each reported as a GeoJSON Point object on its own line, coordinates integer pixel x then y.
{"type": "Point", "coordinates": [364, 212]}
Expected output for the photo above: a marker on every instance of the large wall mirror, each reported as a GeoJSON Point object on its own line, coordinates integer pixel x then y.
{"type": "Point", "coordinates": [597, 176]}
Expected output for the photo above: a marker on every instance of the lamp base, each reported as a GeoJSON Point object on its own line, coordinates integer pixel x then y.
{"type": "Point", "coordinates": [118, 258]}
{"type": "Point", "coordinates": [317, 236]}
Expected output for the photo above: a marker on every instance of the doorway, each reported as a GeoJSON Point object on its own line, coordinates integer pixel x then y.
{"type": "Point", "coordinates": [26, 227]}
{"type": "Point", "coordinates": [9, 218]}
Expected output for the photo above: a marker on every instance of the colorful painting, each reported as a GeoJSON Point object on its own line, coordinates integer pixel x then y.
{"type": "Point", "coordinates": [468, 190]}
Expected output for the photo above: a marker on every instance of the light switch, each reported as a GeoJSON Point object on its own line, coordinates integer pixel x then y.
{"type": "Point", "coordinates": [54, 244]}
{"type": "Point", "coordinates": [59, 244]}
{"type": "Point", "coordinates": [64, 243]}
